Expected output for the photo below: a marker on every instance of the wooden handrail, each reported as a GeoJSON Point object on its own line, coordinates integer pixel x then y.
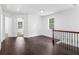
{"type": "Point", "coordinates": [66, 31]}
{"type": "Point", "coordinates": [68, 38]}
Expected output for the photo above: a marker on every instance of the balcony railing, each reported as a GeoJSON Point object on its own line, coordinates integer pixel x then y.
{"type": "Point", "coordinates": [69, 39]}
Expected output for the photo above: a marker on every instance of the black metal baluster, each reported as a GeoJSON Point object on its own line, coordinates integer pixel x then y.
{"type": "Point", "coordinates": [63, 39]}
{"type": "Point", "coordinates": [74, 42]}
{"type": "Point", "coordinates": [66, 40]}
{"type": "Point", "coordinates": [77, 43]}
{"type": "Point", "coordinates": [69, 40]}
{"type": "Point", "coordinates": [53, 37]}
{"type": "Point", "coordinates": [60, 39]}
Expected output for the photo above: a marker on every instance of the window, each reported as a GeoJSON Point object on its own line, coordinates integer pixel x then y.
{"type": "Point", "coordinates": [51, 23]}
{"type": "Point", "coordinates": [19, 25]}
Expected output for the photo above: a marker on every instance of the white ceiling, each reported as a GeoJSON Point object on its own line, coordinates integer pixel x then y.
{"type": "Point", "coordinates": [35, 8]}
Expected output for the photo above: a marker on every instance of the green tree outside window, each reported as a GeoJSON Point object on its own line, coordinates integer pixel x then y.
{"type": "Point", "coordinates": [51, 23]}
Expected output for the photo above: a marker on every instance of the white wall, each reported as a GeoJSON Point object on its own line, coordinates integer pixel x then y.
{"type": "Point", "coordinates": [25, 28]}
{"type": "Point", "coordinates": [0, 27]}
{"type": "Point", "coordinates": [64, 20]}
{"type": "Point", "coordinates": [24, 17]}
{"type": "Point", "coordinates": [33, 25]}
{"type": "Point", "coordinates": [21, 30]}
{"type": "Point", "coordinates": [45, 27]}
{"type": "Point", "coordinates": [9, 24]}
{"type": "Point", "coordinates": [12, 24]}
{"type": "Point", "coordinates": [38, 25]}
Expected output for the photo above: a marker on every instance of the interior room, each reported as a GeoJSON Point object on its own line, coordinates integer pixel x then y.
{"type": "Point", "coordinates": [39, 29]}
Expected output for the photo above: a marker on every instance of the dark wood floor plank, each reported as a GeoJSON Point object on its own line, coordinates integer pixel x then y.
{"type": "Point", "coordinates": [32, 46]}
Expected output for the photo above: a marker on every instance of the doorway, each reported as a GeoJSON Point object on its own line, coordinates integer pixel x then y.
{"type": "Point", "coordinates": [20, 27]}
{"type": "Point", "coordinates": [8, 26]}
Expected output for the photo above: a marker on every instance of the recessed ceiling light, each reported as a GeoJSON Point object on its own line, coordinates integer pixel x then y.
{"type": "Point", "coordinates": [18, 8]}
{"type": "Point", "coordinates": [74, 5]}
{"type": "Point", "coordinates": [41, 11]}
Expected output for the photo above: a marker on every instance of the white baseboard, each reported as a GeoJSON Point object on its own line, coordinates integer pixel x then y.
{"type": "Point", "coordinates": [31, 36]}
{"type": "Point", "coordinates": [58, 42]}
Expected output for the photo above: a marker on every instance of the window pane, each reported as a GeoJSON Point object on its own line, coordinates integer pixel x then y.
{"type": "Point", "coordinates": [51, 23]}
{"type": "Point", "coordinates": [19, 25]}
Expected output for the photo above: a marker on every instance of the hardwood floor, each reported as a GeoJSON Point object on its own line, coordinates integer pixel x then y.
{"type": "Point", "coordinates": [32, 46]}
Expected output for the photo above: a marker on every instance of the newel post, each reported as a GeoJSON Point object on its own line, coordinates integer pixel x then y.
{"type": "Point", "coordinates": [51, 26]}
{"type": "Point", "coordinates": [53, 42]}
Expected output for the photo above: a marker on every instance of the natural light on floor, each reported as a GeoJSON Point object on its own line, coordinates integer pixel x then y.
{"type": "Point", "coordinates": [19, 44]}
